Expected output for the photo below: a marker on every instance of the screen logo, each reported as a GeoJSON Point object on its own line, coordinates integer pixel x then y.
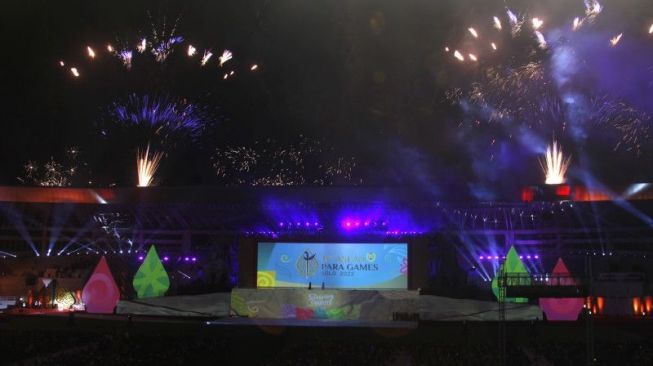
{"type": "Point", "coordinates": [306, 264]}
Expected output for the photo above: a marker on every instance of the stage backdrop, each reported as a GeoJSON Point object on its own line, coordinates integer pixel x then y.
{"type": "Point", "coordinates": [337, 265]}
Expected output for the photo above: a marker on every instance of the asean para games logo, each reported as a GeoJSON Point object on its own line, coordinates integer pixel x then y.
{"type": "Point", "coordinates": [306, 264]}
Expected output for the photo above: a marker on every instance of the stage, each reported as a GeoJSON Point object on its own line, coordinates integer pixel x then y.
{"type": "Point", "coordinates": [346, 308]}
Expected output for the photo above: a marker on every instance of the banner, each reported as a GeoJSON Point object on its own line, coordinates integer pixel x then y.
{"type": "Point", "coordinates": [336, 265]}
{"type": "Point", "coordinates": [304, 304]}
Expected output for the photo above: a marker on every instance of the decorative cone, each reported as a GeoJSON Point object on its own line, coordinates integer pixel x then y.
{"type": "Point", "coordinates": [151, 280]}
{"type": "Point", "coordinates": [562, 308]}
{"type": "Point", "coordinates": [101, 294]}
{"type": "Point", "coordinates": [514, 266]}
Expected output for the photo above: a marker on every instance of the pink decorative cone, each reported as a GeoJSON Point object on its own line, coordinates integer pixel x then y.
{"type": "Point", "coordinates": [563, 308]}
{"type": "Point", "coordinates": [101, 294]}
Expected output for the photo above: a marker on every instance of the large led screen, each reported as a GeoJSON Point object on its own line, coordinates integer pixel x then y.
{"type": "Point", "coordinates": [336, 265]}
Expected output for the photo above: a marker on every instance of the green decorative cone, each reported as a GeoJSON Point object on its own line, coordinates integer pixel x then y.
{"type": "Point", "coordinates": [514, 265]}
{"type": "Point", "coordinates": [151, 280]}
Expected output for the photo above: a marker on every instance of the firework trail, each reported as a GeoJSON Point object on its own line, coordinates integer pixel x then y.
{"type": "Point", "coordinates": [540, 39]}
{"type": "Point", "coordinates": [90, 52]}
{"type": "Point", "coordinates": [226, 56]}
{"type": "Point", "coordinates": [497, 23]}
{"type": "Point", "coordinates": [515, 23]}
{"type": "Point", "coordinates": [206, 57]}
{"type": "Point", "coordinates": [473, 32]}
{"type": "Point", "coordinates": [615, 40]}
{"type": "Point", "coordinates": [141, 46]}
{"type": "Point", "coordinates": [592, 9]}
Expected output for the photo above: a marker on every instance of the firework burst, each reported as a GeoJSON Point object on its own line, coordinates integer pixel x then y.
{"type": "Point", "coordinates": [308, 162]}
{"type": "Point", "coordinates": [147, 166]}
{"type": "Point", "coordinates": [164, 39]}
{"type": "Point", "coordinates": [537, 23]}
{"type": "Point", "coordinates": [515, 22]}
{"type": "Point", "coordinates": [160, 43]}
{"type": "Point", "coordinates": [126, 58]}
{"type": "Point", "coordinates": [521, 88]}
{"type": "Point", "coordinates": [56, 173]}
{"type": "Point", "coordinates": [554, 164]}
{"type": "Point", "coordinates": [161, 117]}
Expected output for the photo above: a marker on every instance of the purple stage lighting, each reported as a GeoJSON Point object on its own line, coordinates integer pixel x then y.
{"type": "Point", "coordinates": [140, 258]}
{"type": "Point", "coordinates": [165, 259]}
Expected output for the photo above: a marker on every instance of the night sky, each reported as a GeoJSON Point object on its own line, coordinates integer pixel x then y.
{"type": "Point", "coordinates": [368, 77]}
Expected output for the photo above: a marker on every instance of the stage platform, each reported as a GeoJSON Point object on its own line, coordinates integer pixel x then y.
{"type": "Point", "coordinates": [344, 307]}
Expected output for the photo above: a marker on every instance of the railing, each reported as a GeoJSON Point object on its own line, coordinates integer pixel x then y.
{"type": "Point", "coordinates": [542, 285]}
{"type": "Point", "coordinates": [524, 279]}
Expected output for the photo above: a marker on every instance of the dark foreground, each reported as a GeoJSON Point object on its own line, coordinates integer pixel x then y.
{"type": "Point", "coordinates": [113, 340]}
